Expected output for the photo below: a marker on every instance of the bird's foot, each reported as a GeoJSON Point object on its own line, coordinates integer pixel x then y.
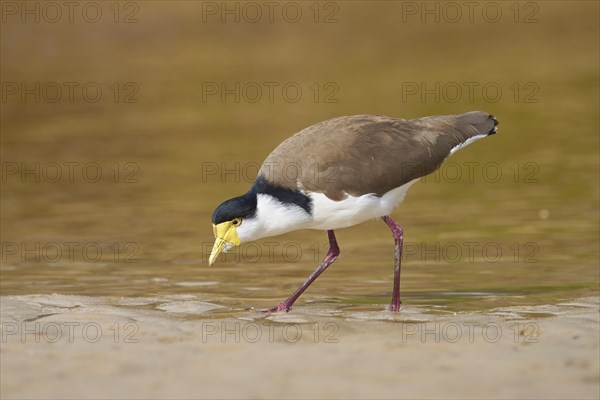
{"type": "Point", "coordinates": [395, 306]}
{"type": "Point", "coordinates": [279, 307]}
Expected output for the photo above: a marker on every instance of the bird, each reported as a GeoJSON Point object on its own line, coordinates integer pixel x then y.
{"type": "Point", "coordinates": [339, 173]}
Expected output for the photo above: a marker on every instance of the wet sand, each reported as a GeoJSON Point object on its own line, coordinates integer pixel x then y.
{"type": "Point", "coordinates": [57, 346]}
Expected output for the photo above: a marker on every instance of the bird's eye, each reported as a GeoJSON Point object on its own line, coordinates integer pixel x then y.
{"type": "Point", "coordinates": [236, 221]}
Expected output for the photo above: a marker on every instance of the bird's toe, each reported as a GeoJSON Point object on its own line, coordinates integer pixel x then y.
{"type": "Point", "coordinates": [279, 307]}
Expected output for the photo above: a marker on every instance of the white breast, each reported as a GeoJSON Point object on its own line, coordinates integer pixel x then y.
{"type": "Point", "coordinates": [275, 218]}
{"type": "Point", "coordinates": [330, 214]}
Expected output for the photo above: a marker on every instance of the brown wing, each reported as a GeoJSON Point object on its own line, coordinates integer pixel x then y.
{"type": "Point", "coordinates": [364, 154]}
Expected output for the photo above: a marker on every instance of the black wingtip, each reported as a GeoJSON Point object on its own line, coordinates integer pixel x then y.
{"type": "Point", "coordinates": [495, 128]}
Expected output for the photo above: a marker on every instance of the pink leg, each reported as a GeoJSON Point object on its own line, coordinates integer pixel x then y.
{"type": "Point", "coordinates": [332, 254]}
{"type": "Point", "coordinates": [398, 234]}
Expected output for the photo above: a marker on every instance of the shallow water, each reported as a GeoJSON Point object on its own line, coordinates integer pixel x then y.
{"type": "Point", "coordinates": [510, 220]}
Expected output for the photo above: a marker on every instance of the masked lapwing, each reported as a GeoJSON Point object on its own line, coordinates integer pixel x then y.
{"type": "Point", "coordinates": [339, 173]}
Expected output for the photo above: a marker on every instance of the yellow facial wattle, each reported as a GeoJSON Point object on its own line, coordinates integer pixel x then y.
{"type": "Point", "coordinates": [225, 232]}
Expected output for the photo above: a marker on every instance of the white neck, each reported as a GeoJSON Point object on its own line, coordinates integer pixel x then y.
{"type": "Point", "coordinates": [272, 218]}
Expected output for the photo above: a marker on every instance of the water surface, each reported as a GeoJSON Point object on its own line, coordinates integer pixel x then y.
{"type": "Point", "coordinates": [510, 220]}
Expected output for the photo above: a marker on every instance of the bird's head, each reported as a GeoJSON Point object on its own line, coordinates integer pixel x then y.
{"type": "Point", "coordinates": [266, 210]}
{"type": "Point", "coordinates": [234, 222]}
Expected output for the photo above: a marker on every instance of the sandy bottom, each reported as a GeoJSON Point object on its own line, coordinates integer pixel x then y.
{"type": "Point", "coordinates": [56, 346]}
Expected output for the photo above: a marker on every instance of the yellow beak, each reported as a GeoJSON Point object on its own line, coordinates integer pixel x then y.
{"type": "Point", "coordinates": [225, 233]}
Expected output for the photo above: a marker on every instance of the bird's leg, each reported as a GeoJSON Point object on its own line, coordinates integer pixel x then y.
{"type": "Point", "coordinates": [398, 234]}
{"type": "Point", "coordinates": [332, 255]}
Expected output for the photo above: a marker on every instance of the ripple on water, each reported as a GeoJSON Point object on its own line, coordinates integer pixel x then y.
{"type": "Point", "coordinates": [138, 301]}
{"type": "Point", "coordinates": [189, 307]}
{"type": "Point", "coordinates": [193, 284]}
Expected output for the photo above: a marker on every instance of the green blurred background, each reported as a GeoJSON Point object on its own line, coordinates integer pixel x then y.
{"type": "Point", "coordinates": [158, 129]}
